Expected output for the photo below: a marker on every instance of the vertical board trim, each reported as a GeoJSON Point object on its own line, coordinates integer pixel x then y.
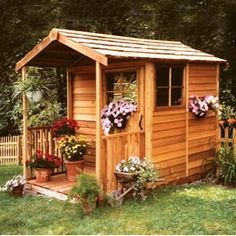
{"type": "Point", "coordinates": [98, 120]}
{"type": "Point", "coordinates": [187, 115]}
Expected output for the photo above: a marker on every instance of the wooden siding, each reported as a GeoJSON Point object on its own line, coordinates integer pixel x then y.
{"type": "Point", "coordinates": [169, 143]}
{"type": "Point", "coordinates": [84, 108]}
{"type": "Point", "coordinates": [202, 135]}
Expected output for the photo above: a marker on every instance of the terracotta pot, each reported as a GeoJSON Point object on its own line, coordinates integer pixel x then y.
{"type": "Point", "coordinates": [17, 191]}
{"type": "Point", "coordinates": [43, 174]}
{"type": "Point", "coordinates": [74, 168]}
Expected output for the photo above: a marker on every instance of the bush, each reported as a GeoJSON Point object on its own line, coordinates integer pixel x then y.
{"type": "Point", "coordinates": [226, 165]}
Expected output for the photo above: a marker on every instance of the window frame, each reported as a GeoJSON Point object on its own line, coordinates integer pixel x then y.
{"type": "Point", "coordinates": [123, 70]}
{"type": "Point", "coordinates": [170, 87]}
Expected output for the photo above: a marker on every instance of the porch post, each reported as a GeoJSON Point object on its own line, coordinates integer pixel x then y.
{"type": "Point", "coordinates": [98, 121]}
{"type": "Point", "coordinates": [24, 138]}
{"type": "Point", "coordinates": [69, 94]}
{"type": "Point", "coordinates": [149, 106]}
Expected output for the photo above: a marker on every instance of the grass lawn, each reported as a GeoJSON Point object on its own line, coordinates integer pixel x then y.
{"type": "Point", "coordinates": [193, 209]}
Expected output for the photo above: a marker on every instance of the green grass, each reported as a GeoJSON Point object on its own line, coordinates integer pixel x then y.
{"type": "Point", "coordinates": [193, 209]}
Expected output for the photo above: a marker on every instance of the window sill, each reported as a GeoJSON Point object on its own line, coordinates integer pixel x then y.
{"type": "Point", "coordinates": [168, 108]}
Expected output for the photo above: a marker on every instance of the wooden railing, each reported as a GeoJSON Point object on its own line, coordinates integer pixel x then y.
{"type": "Point", "coordinates": [10, 150]}
{"type": "Point", "coordinates": [117, 147]}
{"type": "Point", "coordinates": [41, 138]}
{"type": "Point", "coordinates": [228, 135]}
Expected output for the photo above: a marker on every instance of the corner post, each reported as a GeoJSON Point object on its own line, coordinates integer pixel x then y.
{"type": "Point", "coordinates": [25, 136]}
{"type": "Point", "coordinates": [98, 121]}
{"type": "Point", "coordinates": [187, 119]}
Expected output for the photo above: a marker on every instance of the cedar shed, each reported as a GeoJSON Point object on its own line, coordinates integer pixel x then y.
{"type": "Point", "coordinates": [159, 75]}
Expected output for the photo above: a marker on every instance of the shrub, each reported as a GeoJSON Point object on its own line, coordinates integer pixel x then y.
{"type": "Point", "coordinates": [226, 165]}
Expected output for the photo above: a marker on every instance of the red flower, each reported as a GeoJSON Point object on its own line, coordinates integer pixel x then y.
{"type": "Point", "coordinates": [64, 126]}
{"type": "Point", "coordinates": [231, 121]}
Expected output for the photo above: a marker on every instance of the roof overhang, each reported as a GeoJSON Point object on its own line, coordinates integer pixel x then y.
{"type": "Point", "coordinates": [58, 50]}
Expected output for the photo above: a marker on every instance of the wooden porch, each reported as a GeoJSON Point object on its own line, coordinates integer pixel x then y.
{"type": "Point", "coordinates": [58, 187]}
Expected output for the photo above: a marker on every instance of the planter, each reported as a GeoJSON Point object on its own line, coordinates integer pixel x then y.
{"type": "Point", "coordinates": [74, 168]}
{"type": "Point", "coordinates": [34, 96]}
{"type": "Point", "coordinates": [43, 174]}
{"type": "Point", "coordinates": [17, 191]}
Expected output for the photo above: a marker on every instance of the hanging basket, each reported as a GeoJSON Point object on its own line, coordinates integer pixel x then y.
{"type": "Point", "coordinates": [34, 96]}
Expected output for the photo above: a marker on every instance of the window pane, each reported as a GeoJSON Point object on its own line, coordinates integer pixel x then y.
{"type": "Point", "coordinates": [122, 85]}
{"type": "Point", "coordinates": [177, 76]}
{"type": "Point", "coordinates": [162, 97]}
{"type": "Point", "coordinates": [162, 76]}
{"type": "Point", "coordinates": [176, 96]}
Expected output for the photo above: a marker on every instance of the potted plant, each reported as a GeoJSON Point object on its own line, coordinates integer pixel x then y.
{"type": "Point", "coordinates": [15, 185]}
{"type": "Point", "coordinates": [34, 87]}
{"type": "Point", "coordinates": [116, 113]}
{"type": "Point", "coordinates": [200, 106]}
{"type": "Point", "coordinates": [138, 171]}
{"type": "Point", "coordinates": [73, 148]}
{"type": "Point", "coordinates": [64, 127]}
{"type": "Point", "coordinates": [43, 165]}
{"type": "Point", "coordinates": [86, 190]}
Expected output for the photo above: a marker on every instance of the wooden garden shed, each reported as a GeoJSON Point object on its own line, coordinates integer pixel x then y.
{"type": "Point", "coordinates": [160, 75]}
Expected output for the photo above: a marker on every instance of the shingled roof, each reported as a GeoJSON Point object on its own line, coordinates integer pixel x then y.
{"type": "Point", "coordinates": [66, 47]}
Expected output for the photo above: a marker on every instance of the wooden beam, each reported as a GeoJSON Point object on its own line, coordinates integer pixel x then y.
{"type": "Point", "coordinates": [24, 138]}
{"type": "Point", "coordinates": [83, 50]}
{"type": "Point", "coordinates": [149, 106]}
{"type": "Point", "coordinates": [186, 90]}
{"type": "Point", "coordinates": [218, 131]}
{"type": "Point", "coordinates": [98, 121]}
{"type": "Point", "coordinates": [69, 94]}
{"type": "Point", "coordinates": [37, 49]}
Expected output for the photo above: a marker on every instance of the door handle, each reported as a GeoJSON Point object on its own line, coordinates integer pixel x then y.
{"type": "Point", "coordinates": [140, 122]}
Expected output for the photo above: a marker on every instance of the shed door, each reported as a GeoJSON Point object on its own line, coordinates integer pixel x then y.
{"type": "Point", "coordinates": [128, 141]}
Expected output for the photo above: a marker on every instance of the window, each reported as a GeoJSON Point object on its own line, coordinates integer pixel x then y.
{"type": "Point", "coordinates": [121, 85]}
{"type": "Point", "coordinates": [169, 84]}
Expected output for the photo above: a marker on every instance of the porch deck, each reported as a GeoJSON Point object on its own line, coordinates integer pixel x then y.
{"type": "Point", "coordinates": [58, 187]}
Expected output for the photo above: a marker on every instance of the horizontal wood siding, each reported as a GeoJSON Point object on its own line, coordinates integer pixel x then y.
{"type": "Point", "coordinates": [169, 143]}
{"type": "Point", "coordinates": [202, 132]}
{"type": "Point", "coordinates": [84, 109]}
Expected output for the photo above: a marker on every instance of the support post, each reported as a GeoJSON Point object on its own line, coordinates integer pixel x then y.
{"type": "Point", "coordinates": [218, 130]}
{"type": "Point", "coordinates": [24, 138]}
{"type": "Point", "coordinates": [149, 106]}
{"type": "Point", "coordinates": [98, 121]}
{"type": "Point", "coordinates": [69, 94]}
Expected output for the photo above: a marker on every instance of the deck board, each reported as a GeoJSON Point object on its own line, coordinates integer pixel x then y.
{"type": "Point", "coordinates": [57, 187]}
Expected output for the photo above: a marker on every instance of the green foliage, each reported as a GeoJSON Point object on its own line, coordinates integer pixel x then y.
{"type": "Point", "coordinates": [47, 115]}
{"type": "Point", "coordinates": [207, 25]}
{"type": "Point", "coordinates": [226, 165]}
{"type": "Point", "coordinates": [31, 84]}
{"type": "Point", "coordinates": [86, 187]}
{"type": "Point", "coordinates": [191, 210]}
{"type": "Point", "coordinates": [227, 112]}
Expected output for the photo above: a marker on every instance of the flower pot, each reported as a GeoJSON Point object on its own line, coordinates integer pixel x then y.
{"type": "Point", "coordinates": [17, 191]}
{"type": "Point", "coordinates": [43, 174]}
{"type": "Point", "coordinates": [34, 96]}
{"type": "Point", "coordinates": [73, 168]}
